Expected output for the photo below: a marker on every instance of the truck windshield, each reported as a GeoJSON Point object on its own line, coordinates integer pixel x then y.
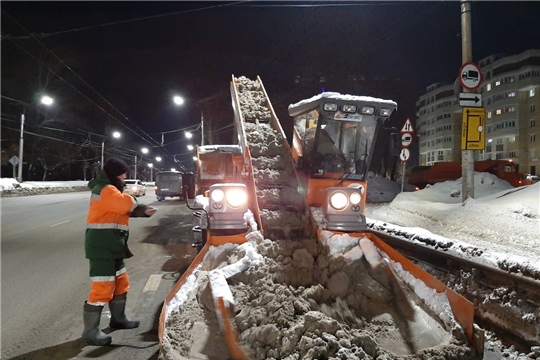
{"type": "Point", "coordinates": [343, 147]}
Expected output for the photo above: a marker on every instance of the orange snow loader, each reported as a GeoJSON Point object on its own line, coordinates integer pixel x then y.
{"type": "Point", "coordinates": [324, 169]}
{"type": "Point", "coordinates": [506, 170]}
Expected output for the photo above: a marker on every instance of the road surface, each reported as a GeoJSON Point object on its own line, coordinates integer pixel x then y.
{"type": "Point", "coordinates": [45, 276]}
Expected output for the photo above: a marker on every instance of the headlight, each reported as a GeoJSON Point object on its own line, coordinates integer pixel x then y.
{"type": "Point", "coordinates": [330, 107]}
{"type": "Point", "coordinates": [217, 195]}
{"type": "Point", "coordinates": [385, 112]}
{"type": "Point", "coordinates": [236, 197]}
{"type": "Point", "coordinates": [349, 108]}
{"type": "Point", "coordinates": [338, 200]}
{"type": "Point", "coordinates": [368, 110]}
{"type": "Point", "coordinates": [355, 198]}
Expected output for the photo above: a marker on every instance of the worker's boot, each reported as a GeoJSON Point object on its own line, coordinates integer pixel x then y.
{"type": "Point", "coordinates": [92, 334]}
{"type": "Point", "coordinates": [119, 320]}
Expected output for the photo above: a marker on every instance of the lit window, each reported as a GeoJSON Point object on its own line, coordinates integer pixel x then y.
{"type": "Point", "coordinates": [498, 112]}
{"type": "Point", "coordinates": [531, 93]}
{"type": "Point", "coordinates": [511, 140]}
{"type": "Point", "coordinates": [512, 109]}
{"type": "Point", "coordinates": [498, 82]}
{"type": "Point", "coordinates": [512, 94]}
{"type": "Point", "coordinates": [489, 115]}
{"type": "Point", "coordinates": [488, 87]}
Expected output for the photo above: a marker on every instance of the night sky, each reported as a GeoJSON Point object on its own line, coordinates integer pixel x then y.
{"type": "Point", "coordinates": [193, 48]}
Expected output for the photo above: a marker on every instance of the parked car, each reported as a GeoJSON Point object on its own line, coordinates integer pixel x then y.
{"type": "Point", "coordinates": [134, 187]}
{"type": "Point", "coordinates": [533, 178]}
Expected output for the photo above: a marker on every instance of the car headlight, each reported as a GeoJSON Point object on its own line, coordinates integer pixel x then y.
{"type": "Point", "coordinates": [236, 197]}
{"type": "Point", "coordinates": [368, 110]}
{"type": "Point", "coordinates": [338, 200]}
{"type": "Point", "coordinates": [330, 107]}
{"type": "Point", "coordinates": [385, 112]}
{"type": "Point", "coordinates": [349, 108]}
{"type": "Point", "coordinates": [217, 195]}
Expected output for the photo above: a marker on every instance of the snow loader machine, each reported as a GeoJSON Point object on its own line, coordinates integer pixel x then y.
{"type": "Point", "coordinates": [262, 190]}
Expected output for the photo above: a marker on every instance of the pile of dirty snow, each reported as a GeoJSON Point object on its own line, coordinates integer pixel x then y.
{"type": "Point", "coordinates": [11, 187]}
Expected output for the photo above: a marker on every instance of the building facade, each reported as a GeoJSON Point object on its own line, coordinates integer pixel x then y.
{"type": "Point", "coordinates": [511, 96]}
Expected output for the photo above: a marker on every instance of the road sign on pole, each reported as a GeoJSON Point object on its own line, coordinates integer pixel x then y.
{"type": "Point", "coordinates": [470, 76]}
{"type": "Point", "coordinates": [406, 139]}
{"type": "Point", "coordinates": [405, 155]}
{"type": "Point", "coordinates": [473, 129]}
{"type": "Point", "coordinates": [407, 127]}
{"type": "Point", "coordinates": [470, 100]}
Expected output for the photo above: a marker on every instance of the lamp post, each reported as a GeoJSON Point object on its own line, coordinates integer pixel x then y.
{"type": "Point", "coordinates": [116, 135]}
{"type": "Point", "coordinates": [144, 151]}
{"type": "Point", "coordinates": [178, 100]}
{"type": "Point", "coordinates": [45, 100]}
{"type": "Point", "coordinates": [151, 166]}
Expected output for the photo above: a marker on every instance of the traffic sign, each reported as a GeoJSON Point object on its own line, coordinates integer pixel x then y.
{"type": "Point", "coordinates": [406, 139]}
{"type": "Point", "coordinates": [407, 128]}
{"type": "Point", "coordinates": [470, 76]}
{"type": "Point", "coordinates": [404, 155]}
{"type": "Point", "coordinates": [470, 99]}
{"type": "Point", "coordinates": [14, 160]}
{"type": "Point", "coordinates": [473, 129]}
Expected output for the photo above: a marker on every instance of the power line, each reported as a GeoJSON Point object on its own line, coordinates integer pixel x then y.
{"type": "Point", "coordinates": [32, 35]}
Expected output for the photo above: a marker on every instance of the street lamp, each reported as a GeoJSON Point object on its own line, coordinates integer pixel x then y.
{"type": "Point", "coordinates": [190, 147]}
{"type": "Point", "coordinates": [151, 166]}
{"type": "Point", "coordinates": [158, 158]}
{"type": "Point", "coordinates": [45, 100]}
{"type": "Point", "coordinates": [144, 151]}
{"type": "Point", "coordinates": [178, 100]}
{"type": "Point", "coordinates": [115, 135]}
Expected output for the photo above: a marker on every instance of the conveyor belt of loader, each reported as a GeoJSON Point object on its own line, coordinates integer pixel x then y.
{"type": "Point", "coordinates": [282, 207]}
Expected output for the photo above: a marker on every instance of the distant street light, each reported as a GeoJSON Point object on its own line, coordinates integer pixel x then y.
{"type": "Point", "coordinates": [144, 151]}
{"type": "Point", "coordinates": [151, 166]}
{"type": "Point", "coordinates": [173, 169]}
{"type": "Point", "coordinates": [188, 135]}
{"type": "Point", "coordinates": [190, 147]}
{"type": "Point", "coordinates": [115, 135]}
{"type": "Point", "coordinates": [194, 158]}
{"type": "Point", "coordinates": [178, 100]}
{"type": "Point", "coordinates": [45, 100]}
{"type": "Point", "coordinates": [158, 158]}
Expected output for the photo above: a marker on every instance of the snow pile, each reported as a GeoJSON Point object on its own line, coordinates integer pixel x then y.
{"type": "Point", "coordinates": [501, 220]}
{"type": "Point", "coordinates": [311, 300]}
{"type": "Point", "coordinates": [11, 187]}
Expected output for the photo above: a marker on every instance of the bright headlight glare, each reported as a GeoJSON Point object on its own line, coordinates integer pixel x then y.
{"type": "Point", "coordinates": [385, 112]}
{"type": "Point", "coordinates": [217, 195]}
{"type": "Point", "coordinates": [330, 107]}
{"type": "Point", "coordinates": [349, 108]}
{"type": "Point", "coordinates": [355, 198]}
{"type": "Point", "coordinates": [368, 110]}
{"type": "Point", "coordinates": [236, 197]}
{"type": "Point", "coordinates": [338, 200]}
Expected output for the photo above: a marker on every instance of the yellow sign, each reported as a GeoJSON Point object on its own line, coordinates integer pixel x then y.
{"type": "Point", "coordinates": [473, 129]}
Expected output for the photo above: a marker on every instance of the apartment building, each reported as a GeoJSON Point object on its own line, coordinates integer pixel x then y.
{"type": "Point", "coordinates": [511, 96]}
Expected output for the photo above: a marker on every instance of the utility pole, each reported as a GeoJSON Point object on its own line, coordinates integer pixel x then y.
{"type": "Point", "coordinates": [135, 167]}
{"type": "Point", "coordinates": [467, 156]}
{"type": "Point", "coordinates": [102, 151]}
{"type": "Point", "coordinates": [21, 144]}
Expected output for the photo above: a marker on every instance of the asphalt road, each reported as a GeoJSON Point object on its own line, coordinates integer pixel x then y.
{"type": "Point", "coordinates": [45, 276]}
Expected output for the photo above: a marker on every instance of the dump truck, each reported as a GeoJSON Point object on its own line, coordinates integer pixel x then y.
{"type": "Point", "coordinates": [287, 268]}
{"type": "Point", "coordinates": [422, 176]}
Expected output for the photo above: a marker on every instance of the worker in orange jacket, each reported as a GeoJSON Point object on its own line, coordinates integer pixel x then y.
{"type": "Point", "coordinates": [106, 248]}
